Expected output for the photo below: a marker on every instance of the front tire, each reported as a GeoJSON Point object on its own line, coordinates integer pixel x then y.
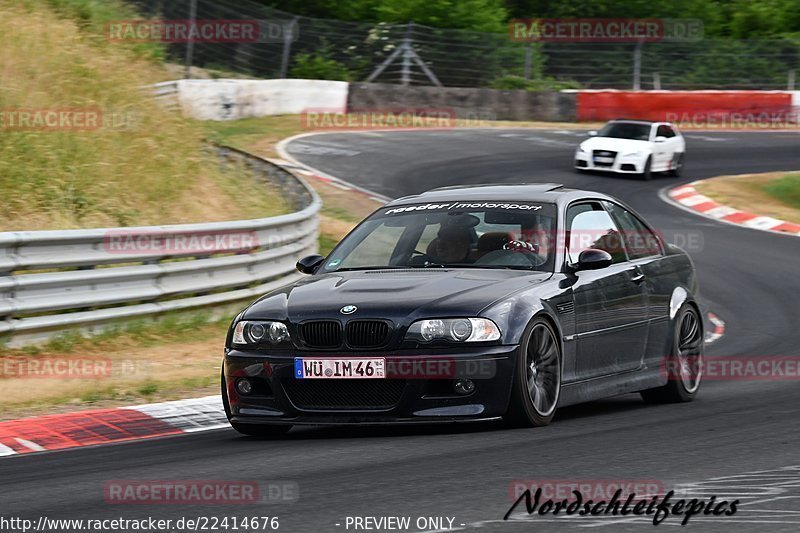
{"type": "Point", "coordinates": [537, 380]}
{"type": "Point", "coordinates": [252, 430]}
{"type": "Point", "coordinates": [684, 367]}
{"type": "Point", "coordinates": [647, 173]}
{"type": "Point", "coordinates": [677, 168]}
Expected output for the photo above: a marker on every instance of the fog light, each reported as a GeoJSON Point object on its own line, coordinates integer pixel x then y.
{"type": "Point", "coordinates": [463, 386]}
{"type": "Point", "coordinates": [244, 386]}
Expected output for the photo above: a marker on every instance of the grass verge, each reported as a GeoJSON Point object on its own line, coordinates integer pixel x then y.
{"type": "Point", "coordinates": [772, 194]}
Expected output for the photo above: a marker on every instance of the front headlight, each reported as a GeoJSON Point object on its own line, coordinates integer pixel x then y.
{"type": "Point", "coordinates": [453, 330]}
{"type": "Point", "coordinates": [637, 153]}
{"type": "Point", "coordinates": [580, 149]}
{"type": "Point", "coordinates": [259, 332]}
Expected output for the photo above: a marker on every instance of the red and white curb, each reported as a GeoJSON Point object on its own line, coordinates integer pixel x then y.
{"type": "Point", "coordinates": [687, 197]}
{"type": "Point", "coordinates": [106, 426]}
{"type": "Point", "coordinates": [327, 178]}
{"type": "Point", "coordinates": [718, 331]}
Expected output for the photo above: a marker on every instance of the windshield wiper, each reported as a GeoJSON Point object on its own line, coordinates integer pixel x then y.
{"type": "Point", "coordinates": [350, 269]}
{"type": "Point", "coordinates": [503, 267]}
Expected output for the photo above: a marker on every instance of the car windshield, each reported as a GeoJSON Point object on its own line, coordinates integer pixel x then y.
{"type": "Point", "coordinates": [626, 130]}
{"type": "Point", "coordinates": [475, 234]}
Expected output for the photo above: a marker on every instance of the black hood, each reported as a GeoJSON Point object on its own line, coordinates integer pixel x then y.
{"type": "Point", "coordinates": [393, 294]}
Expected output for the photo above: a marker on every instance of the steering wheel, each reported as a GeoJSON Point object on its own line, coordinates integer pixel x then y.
{"type": "Point", "coordinates": [421, 258]}
{"type": "Point", "coordinates": [528, 250]}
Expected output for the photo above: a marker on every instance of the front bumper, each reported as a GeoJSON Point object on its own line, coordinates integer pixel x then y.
{"type": "Point", "coordinates": [418, 389]}
{"type": "Point", "coordinates": [621, 164]}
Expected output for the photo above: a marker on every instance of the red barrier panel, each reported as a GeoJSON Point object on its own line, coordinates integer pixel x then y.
{"type": "Point", "coordinates": [692, 107]}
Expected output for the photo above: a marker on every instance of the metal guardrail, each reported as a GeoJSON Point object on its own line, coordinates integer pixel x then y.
{"type": "Point", "coordinates": [95, 276]}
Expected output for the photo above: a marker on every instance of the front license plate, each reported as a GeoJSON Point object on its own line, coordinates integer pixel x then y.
{"type": "Point", "coordinates": [604, 159]}
{"type": "Point", "coordinates": [305, 368]}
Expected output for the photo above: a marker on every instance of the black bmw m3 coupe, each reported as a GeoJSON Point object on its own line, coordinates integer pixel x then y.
{"type": "Point", "coordinates": [470, 303]}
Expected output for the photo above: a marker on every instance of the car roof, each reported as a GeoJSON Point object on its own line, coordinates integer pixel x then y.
{"type": "Point", "coordinates": [636, 120]}
{"type": "Point", "coordinates": [643, 121]}
{"type": "Point", "coordinates": [554, 193]}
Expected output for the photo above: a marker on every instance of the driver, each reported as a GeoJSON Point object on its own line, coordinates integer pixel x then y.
{"type": "Point", "coordinates": [452, 244]}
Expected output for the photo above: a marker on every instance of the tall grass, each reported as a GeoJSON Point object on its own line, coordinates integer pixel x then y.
{"type": "Point", "coordinates": [141, 166]}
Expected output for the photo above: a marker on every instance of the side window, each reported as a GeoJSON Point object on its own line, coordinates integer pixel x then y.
{"type": "Point", "coordinates": [590, 226]}
{"type": "Point", "coordinates": [639, 240]}
{"type": "Point", "coordinates": [665, 131]}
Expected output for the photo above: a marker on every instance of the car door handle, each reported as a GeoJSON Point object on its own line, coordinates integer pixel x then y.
{"type": "Point", "coordinates": [638, 278]}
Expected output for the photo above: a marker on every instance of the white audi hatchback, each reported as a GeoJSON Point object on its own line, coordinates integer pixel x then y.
{"type": "Point", "coordinates": [633, 147]}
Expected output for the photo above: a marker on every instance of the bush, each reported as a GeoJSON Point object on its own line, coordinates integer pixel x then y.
{"type": "Point", "coordinates": [319, 66]}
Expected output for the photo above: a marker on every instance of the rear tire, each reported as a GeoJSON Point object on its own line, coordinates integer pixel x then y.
{"type": "Point", "coordinates": [685, 364]}
{"type": "Point", "coordinates": [252, 430]}
{"type": "Point", "coordinates": [537, 380]}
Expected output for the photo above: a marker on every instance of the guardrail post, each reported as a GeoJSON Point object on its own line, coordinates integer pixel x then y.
{"type": "Point", "coordinates": [288, 37]}
{"type": "Point", "coordinates": [528, 60]}
{"type": "Point", "coordinates": [790, 82]}
{"type": "Point", "coordinates": [190, 44]}
{"type": "Point", "coordinates": [407, 54]}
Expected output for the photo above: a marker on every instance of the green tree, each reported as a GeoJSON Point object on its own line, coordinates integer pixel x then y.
{"type": "Point", "coordinates": [477, 15]}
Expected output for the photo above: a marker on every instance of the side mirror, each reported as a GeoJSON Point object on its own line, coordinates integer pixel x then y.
{"type": "Point", "coordinates": [660, 139]}
{"type": "Point", "coordinates": [592, 133]}
{"type": "Point", "coordinates": [593, 259]}
{"type": "Point", "coordinates": [309, 264]}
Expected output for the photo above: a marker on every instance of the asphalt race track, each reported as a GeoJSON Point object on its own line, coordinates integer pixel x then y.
{"type": "Point", "coordinates": [737, 440]}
